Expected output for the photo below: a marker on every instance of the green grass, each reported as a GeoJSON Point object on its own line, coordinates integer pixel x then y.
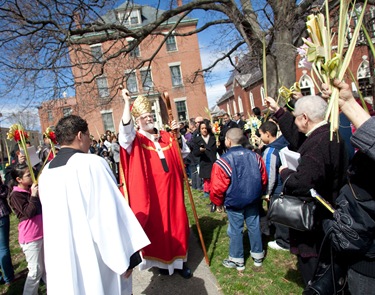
{"type": "Point", "coordinates": [278, 275]}
{"type": "Point", "coordinates": [19, 262]}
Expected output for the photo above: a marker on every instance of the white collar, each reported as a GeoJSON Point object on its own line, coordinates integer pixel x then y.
{"type": "Point", "coordinates": [316, 127]}
{"type": "Point", "coordinates": [152, 137]}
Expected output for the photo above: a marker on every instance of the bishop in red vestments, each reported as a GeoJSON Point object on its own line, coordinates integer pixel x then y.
{"type": "Point", "coordinates": [152, 176]}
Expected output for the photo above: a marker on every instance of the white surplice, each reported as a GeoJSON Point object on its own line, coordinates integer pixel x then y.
{"type": "Point", "coordinates": [89, 230]}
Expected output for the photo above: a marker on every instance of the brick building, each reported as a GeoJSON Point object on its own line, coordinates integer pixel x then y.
{"type": "Point", "coordinates": [97, 77]}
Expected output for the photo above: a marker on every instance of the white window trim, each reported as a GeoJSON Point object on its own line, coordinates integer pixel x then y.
{"type": "Point", "coordinates": [145, 69]}
{"type": "Point", "coordinates": [173, 64]}
{"type": "Point", "coordinates": [234, 107]}
{"type": "Point", "coordinates": [106, 111]}
{"type": "Point", "coordinates": [251, 98]}
{"type": "Point", "coordinates": [310, 83]}
{"type": "Point", "coordinates": [240, 104]}
{"type": "Point", "coordinates": [124, 16]}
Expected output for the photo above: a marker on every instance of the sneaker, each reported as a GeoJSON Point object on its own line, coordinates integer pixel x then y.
{"type": "Point", "coordinates": [231, 264]}
{"type": "Point", "coordinates": [274, 245]}
{"type": "Point", "coordinates": [258, 262]}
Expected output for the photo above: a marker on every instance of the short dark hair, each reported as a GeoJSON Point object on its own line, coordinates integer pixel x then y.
{"type": "Point", "coordinates": [256, 111]}
{"type": "Point", "coordinates": [269, 126]}
{"type": "Point", "coordinates": [68, 127]}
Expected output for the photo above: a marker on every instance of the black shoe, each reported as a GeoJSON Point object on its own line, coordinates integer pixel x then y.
{"type": "Point", "coordinates": [164, 272]}
{"type": "Point", "coordinates": [185, 272]}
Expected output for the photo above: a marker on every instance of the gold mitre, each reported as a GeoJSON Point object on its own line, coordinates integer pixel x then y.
{"type": "Point", "coordinates": [140, 106]}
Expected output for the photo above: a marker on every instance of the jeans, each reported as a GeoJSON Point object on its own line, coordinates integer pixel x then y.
{"type": "Point", "coordinates": [5, 259]}
{"type": "Point", "coordinates": [250, 215]}
{"type": "Point", "coordinates": [359, 284]}
{"type": "Point", "coordinates": [35, 263]}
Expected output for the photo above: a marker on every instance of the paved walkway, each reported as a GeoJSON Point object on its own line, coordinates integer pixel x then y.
{"type": "Point", "coordinates": [203, 282]}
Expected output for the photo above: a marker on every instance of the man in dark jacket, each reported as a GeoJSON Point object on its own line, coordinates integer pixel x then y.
{"type": "Point", "coordinates": [227, 124]}
{"type": "Point", "coordinates": [238, 179]}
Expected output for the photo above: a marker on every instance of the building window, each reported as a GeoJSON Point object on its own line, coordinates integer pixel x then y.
{"type": "Point", "coordinates": [371, 22]}
{"type": "Point", "coordinates": [108, 121]}
{"type": "Point", "coordinates": [262, 95]}
{"type": "Point", "coordinates": [171, 43]}
{"type": "Point", "coordinates": [240, 105]}
{"type": "Point", "coordinates": [251, 97]}
{"type": "Point", "coordinates": [67, 111]}
{"type": "Point", "coordinates": [361, 38]}
{"type": "Point", "coordinates": [234, 107]}
{"type": "Point", "coordinates": [131, 83]}
{"type": "Point", "coordinates": [363, 77]}
{"type": "Point", "coordinates": [49, 116]}
{"type": "Point", "coordinates": [306, 84]}
{"type": "Point", "coordinates": [146, 80]}
{"type": "Point", "coordinates": [135, 52]}
{"type": "Point", "coordinates": [181, 110]}
{"type": "Point", "coordinates": [176, 76]}
{"type": "Point", "coordinates": [228, 109]}
{"type": "Point", "coordinates": [96, 52]}
{"type": "Point", "coordinates": [129, 17]}
{"type": "Point", "coordinates": [102, 87]}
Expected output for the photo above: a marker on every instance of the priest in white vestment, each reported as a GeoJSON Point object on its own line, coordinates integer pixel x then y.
{"type": "Point", "coordinates": [91, 236]}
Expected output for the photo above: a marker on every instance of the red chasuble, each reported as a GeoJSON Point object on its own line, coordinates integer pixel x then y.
{"type": "Point", "coordinates": [157, 197]}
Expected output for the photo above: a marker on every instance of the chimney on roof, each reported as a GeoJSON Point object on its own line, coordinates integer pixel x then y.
{"type": "Point", "coordinates": [179, 3]}
{"type": "Point", "coordinates": [236, 60]}
{"type": "Point", "coordinates": [77, 19]}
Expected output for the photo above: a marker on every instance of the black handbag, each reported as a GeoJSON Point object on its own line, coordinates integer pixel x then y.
{"type": "Point", "coordinates": [293, 211]}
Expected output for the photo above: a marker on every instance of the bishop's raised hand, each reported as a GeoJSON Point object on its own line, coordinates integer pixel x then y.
{"type": "Point", "coordinates": [125, 94]}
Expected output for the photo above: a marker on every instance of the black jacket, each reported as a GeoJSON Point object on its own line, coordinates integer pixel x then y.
{"type": "Point", "coordinates": [206, 158]}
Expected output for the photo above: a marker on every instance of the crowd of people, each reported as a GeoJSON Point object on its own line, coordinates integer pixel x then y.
{"type": "Point", "coordinates": [102, 207]}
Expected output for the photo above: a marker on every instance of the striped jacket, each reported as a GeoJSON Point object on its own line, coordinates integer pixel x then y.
{"type": "Point", "coordinates": [238, 178]}
{"type": "Point", "coordinates": [272, 161]}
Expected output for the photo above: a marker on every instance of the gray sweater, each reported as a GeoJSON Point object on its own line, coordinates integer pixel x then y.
{"type": "Point", "coordinates": [364, 138]}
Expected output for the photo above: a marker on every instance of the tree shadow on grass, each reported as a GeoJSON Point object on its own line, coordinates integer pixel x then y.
{"type": "Point", "coordinates": [211, 228]}
{"type": "Point", "coordinates": [294, 276]}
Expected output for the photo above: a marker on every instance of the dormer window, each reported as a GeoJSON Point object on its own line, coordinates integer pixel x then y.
{"type": "Point", "coordinates": [130, 17]}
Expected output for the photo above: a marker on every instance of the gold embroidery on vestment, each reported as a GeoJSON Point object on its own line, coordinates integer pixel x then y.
{"type": "Point", "coordinates": [150, 148]}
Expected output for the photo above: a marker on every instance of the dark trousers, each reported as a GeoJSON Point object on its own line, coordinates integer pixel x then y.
{"type": "Point", "coordinates": [306, 267]}
{"type": "Point", "coordinates": [196, 181]}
